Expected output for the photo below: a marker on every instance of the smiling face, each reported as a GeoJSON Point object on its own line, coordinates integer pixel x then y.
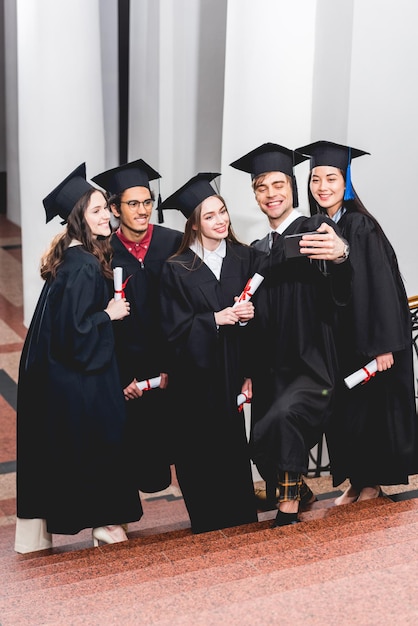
{"type": "Point", "coordinates": [273, 192]}
{"type": "Point", "coordinates": [327, 186]}
{"type": "Point", "coordinates": [97, 215]}
{"type": "Point", "coordinates": [214, 222]}
{"type": "Point", "coordinates": [134, 212]}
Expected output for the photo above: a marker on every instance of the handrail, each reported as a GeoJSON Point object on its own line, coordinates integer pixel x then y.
{"type": "Point", "coordinates": [413, 302]}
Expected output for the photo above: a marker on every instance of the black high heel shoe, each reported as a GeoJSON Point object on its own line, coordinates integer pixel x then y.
{"type": "Point", "coordinates": [285, 519]}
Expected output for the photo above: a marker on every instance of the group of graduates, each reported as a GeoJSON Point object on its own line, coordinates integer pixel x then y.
{"type": "Point", "coordinates": [91, 437]}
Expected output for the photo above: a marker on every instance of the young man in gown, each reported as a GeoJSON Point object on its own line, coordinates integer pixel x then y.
{"type": "Point", "coordinates": [295, 365]}
{"type": "Point", "coordinates": [140, 248]}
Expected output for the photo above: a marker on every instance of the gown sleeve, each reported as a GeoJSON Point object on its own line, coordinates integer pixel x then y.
{"type": "Point", "coordinates": [187, 323]}
{"type": "Point", "coordinates": [81, 331]}
{"type": "Point", "coordinates": [379, 299]}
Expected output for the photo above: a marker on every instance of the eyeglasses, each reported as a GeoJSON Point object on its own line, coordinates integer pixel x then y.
{"type": "Point", "coordinates": [135, 204]}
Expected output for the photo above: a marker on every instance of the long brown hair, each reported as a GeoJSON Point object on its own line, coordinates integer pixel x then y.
{"type": "Point", "coordinates": [78, 229]}
{"type": "Point", "coordinates": [193, 229]}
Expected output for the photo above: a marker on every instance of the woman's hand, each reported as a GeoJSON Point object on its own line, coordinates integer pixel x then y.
{"type": "Point", "coordinates": [325, 244]}
{"type": "Point", "coordinates": [117, 309]}
{"type": "Point", "coordinates": [242, 312]}
{"type": "Point", "coordinates": [384, 361]}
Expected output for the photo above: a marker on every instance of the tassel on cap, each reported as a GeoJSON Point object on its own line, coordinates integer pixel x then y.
{"type": "Point", "coordinates": [159, 210]}
{"type": "Point", "coordinates": [295, 193]}
{"type": "Point", "coordinates": [334, 155]}
{"type": "Point", "coordinates": [349, 191]}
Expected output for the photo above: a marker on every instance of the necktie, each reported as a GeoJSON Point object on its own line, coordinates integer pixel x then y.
{"type": "Point", "coordinates": [274, 236]}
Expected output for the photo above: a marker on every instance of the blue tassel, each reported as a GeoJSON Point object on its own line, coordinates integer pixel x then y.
{"type": "Point", "coordinates": [349, 191]}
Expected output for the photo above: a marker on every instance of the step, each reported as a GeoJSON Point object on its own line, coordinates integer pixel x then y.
{"type": "Point", "coordinates": [164, 578]}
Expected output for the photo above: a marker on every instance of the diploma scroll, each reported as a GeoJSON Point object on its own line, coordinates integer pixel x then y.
{"type": "Point", "coordinates": [117, 282]}
{"type": "Point", "coordinates": [249, 290]}
{"type": "Point", "coordinates": [362, 375]}
{"type": "Point", "coordinates": [242, 398]}
{"type": "Point", "coordinates": [151, 383]}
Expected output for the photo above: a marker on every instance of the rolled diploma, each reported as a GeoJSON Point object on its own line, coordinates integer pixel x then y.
{"type": "Point", "coordinates": [250, 288]}
{"type": "Point", "coordinates": [361, 374]}
{"type": "Point", "coordinates": [151, 383]}
{"type": "Point", "coordinates": [241, 399]}
{"type": "Point", "coordinates": [117, 282]}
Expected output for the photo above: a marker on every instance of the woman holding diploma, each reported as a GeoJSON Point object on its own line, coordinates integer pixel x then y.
{"type": "Point", "coordinates": [206, 328]}
{"type": "Point", "coordinates": [371, 438]}
{"type": "Point", "coordinates": [71, 471]}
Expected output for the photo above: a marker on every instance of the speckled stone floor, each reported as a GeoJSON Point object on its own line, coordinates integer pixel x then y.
{"type": "Point", "coordinates": [355, 564]}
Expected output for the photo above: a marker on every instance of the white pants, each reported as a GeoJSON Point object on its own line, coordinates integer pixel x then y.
{"type": "Point", "coordinates": [31, 535]}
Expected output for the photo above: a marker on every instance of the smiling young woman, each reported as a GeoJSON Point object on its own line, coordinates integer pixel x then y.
{"type": "Point", "coordinates": [374, 428]}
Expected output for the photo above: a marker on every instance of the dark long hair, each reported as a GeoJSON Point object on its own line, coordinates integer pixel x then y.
{"type": "Point", "coordinates": [78, 229]}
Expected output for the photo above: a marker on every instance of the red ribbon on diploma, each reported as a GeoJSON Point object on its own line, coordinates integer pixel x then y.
{"type": "Point", "coordinates": [122, 291]}
{"type": "Point", "coordinates": [369, 375]}
{"type": "Point", "coordinates": [241, 406]}
{"type": "Point", "coordinates": [246, 292]}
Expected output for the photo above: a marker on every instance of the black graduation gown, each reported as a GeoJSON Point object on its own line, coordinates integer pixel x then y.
{"type": "Point", "coordinates": [211, 448]}
{"type": "Point", "coordinates": [294, 381]}
{"type": "Point", "coordinates": [373, 431]}
{"type": "Point", "coordinates": [70, 408]}
{"type": "Point", "coordinates": [141, 354]}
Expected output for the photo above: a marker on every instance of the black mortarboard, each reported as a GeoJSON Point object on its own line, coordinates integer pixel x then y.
{"type": "Point", "coordinates": [334, 155]}
{"type": "Point", "coordinates": [270, 157]}
{"type": "Point", "coordinates": [62, 199]}
{"type": "Point", "coordinates": [191, 194]}
{"type": "Point", "coordinates": [134, 174]}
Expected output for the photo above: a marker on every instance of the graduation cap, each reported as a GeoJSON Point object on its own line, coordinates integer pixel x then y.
{"type": "Point", "coordinates": [334, 155]}
{"type": "Point", "coordinates": [191, 194]}
{"type": "Point", "coordinates": [270, 157]}
{"type": "Point", "coordinates": [62, 199]}
{"type": "Point", "coordinates": [134, 174]}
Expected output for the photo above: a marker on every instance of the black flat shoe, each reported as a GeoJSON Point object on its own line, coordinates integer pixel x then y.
{"type": "Point", "coordinates": [284, 519]}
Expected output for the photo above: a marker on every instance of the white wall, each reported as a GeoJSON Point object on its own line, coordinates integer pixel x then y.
{"type": "Point", "coordinates": [211, 80]}
{"type": "Point", "coordinates": [383, 118]}
{"type": "Point", "coordinates": [60, 117]}
{"type": "Point", "coordinates": [366, 95]}
{"type": "Point", "coordinates": [268, 92]}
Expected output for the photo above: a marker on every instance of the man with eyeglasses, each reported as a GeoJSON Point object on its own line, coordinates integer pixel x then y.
{"type": "Point", "coordinates": [140, 248]}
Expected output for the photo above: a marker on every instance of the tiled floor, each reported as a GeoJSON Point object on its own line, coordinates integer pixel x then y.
{"type": "Point", "coordinates": [344, 565]}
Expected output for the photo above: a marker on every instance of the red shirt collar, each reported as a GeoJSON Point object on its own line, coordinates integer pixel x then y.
{"type": "Point", "coordinates": [137, 249]}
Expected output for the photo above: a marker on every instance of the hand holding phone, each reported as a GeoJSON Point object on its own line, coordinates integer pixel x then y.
{"type": "Point", "coordinates": [291, 244]}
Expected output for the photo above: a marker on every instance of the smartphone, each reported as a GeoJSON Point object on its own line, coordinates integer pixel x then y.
{"type": "Point", "coordinates": [291, 244]}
